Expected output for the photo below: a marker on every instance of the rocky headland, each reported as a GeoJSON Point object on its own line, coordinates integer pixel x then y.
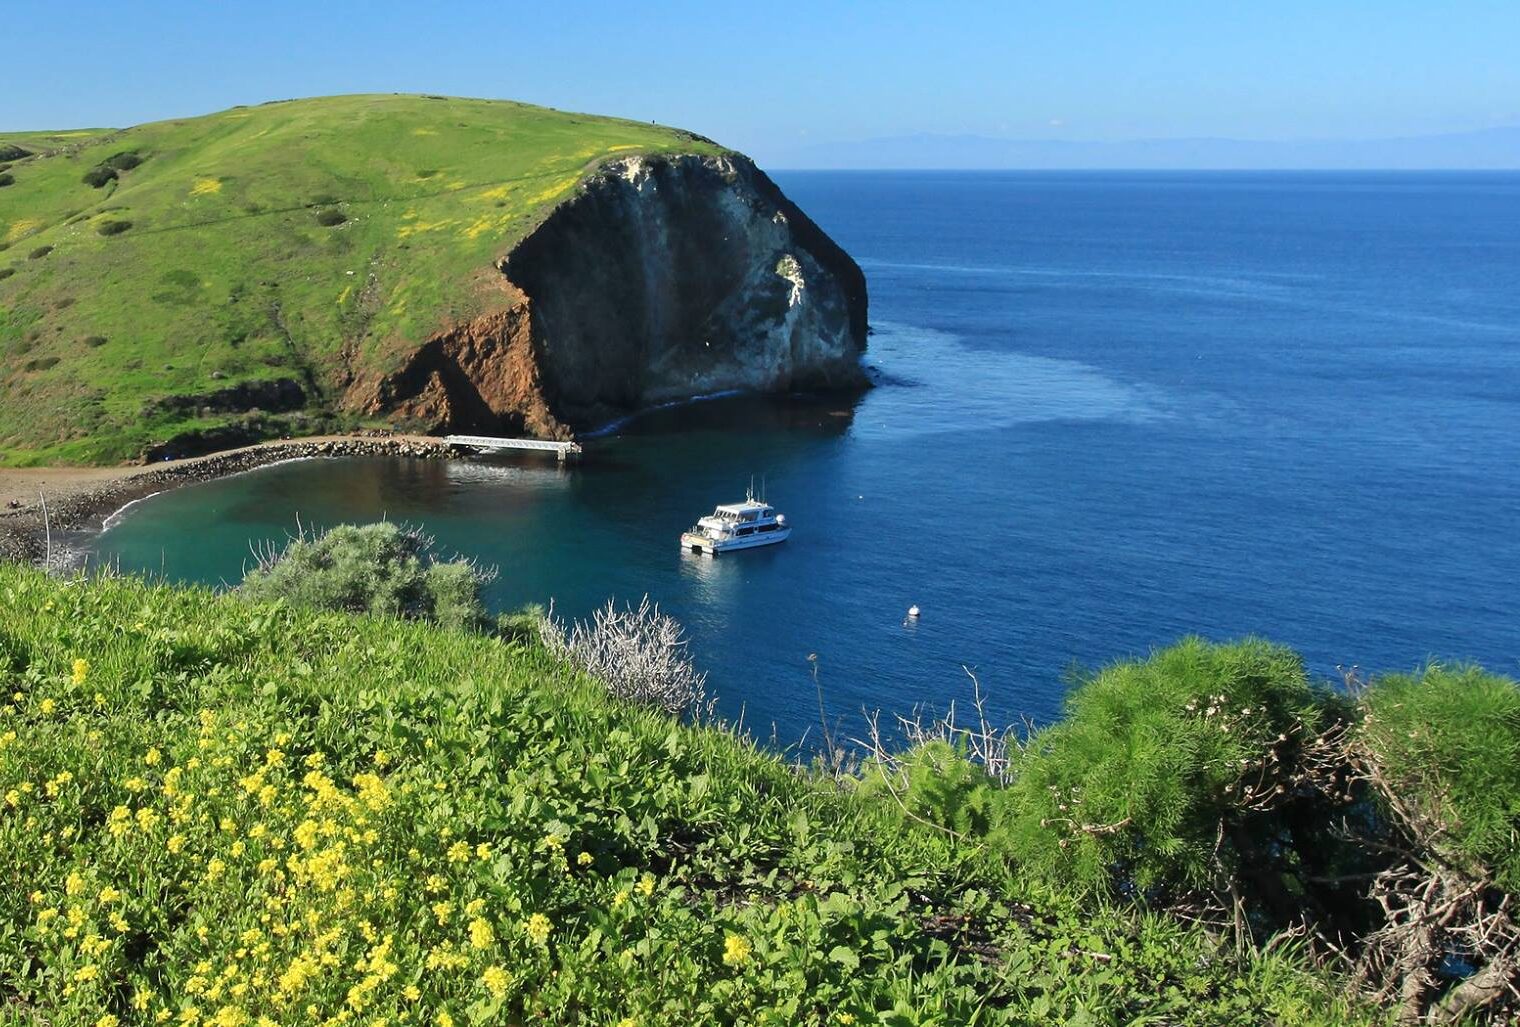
{"type": "Point", "coordinates": [662, 278]}
{"type": "Point", "coordinates": [427, 264]}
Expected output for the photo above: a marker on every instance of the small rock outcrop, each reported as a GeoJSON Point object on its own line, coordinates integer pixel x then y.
{"type": "Point", "coordinates": [662, 278]}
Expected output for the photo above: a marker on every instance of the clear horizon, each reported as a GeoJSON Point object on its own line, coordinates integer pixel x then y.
{"type": "Point", "coordinates": [784, 82]}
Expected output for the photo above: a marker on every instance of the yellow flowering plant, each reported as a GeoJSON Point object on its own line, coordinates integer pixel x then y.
{"type": "Point", "coordinates": [285, 817]}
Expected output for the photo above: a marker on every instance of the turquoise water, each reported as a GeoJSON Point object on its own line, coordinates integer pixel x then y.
{"type": "Point", "coordinates": [1114, 409]}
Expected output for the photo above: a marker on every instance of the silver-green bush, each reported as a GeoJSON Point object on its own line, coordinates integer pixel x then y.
{"type": "Point", "coordinates": [383, 569]}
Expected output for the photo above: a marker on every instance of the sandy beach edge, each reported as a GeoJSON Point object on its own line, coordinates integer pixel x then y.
{"type": "Point", "coordinates": [84, 498]}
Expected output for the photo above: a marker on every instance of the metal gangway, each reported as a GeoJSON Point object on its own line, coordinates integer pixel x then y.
{"type": "Point", "coordinates": [491, 444]}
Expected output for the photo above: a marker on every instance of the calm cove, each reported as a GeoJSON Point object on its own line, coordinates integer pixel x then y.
{"type": "Point", "coordinates": [1114, 409]}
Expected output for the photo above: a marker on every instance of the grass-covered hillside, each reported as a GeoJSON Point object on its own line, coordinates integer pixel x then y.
{"type": "Point", "coordinates": [307, 240]}
{"type": "Point", "coordinates": [214, 811]}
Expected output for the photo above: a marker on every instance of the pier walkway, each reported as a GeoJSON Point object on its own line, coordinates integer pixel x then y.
{"type": "Point", "coordinates": [490, 444]}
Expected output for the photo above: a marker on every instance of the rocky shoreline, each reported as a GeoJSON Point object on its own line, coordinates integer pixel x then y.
{"type": "Point", "coordinates": [24, 531]}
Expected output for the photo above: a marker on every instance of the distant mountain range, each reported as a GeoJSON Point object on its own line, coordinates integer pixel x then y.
{"type": "Point", "coordinates": [1489, 149]}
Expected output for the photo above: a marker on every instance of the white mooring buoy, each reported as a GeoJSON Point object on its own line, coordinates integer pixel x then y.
{"type": "Point", "coordinates": [913, 611]}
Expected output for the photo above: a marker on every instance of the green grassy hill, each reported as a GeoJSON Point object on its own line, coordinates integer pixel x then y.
{"type": "Point", "coordinates": [216, 812]}
{"type": "Point", "coordinates": [306, 239]}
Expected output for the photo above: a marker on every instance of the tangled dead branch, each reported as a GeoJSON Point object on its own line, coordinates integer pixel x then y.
{"type": "Point", "coordinates": [638, 652]}
{"type": "Point", "coordinates": [983, 743]}
{"type": "Point", "coordinates": [1443, 940]}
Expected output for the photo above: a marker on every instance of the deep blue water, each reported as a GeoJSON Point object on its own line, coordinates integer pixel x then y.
{"type": "Point", "coordinates": [1116, 409]}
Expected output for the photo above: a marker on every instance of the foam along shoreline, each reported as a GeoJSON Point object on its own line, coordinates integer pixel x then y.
{"type": "Point", "coordinates": [615, 425]}
{"type": "Point", "coordinates": [90, 499]}
{"type": "Point", "coordinates": [113, 518]}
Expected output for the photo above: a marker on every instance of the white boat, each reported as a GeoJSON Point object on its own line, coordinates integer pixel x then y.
{"type": "Point", "coordinates": [737, 526]}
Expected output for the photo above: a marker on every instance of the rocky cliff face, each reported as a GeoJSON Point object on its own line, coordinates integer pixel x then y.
{"type": "Point", "coordinates": [661, 279]}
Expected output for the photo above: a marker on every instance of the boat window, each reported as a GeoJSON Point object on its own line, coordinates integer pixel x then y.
{"type": "Point", "coordinates": [745, 531]}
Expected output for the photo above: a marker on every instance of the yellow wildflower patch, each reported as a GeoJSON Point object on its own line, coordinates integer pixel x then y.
{"type": "Point", "coordinates": [206, 187]}
{"type": "Point", "coordinates": [557, 189]}
{"type": "Point", "coordinates": [736, 950]}
{"type": "Point", "coordinates": [25, 226]}
{"type": "Point", "coordinates": [487, 224]}
{"type": "Point", "coordinates": [537, 928]}
{"type": "Point", "coordinates": [409, 230]}
{"type": "Point", "coordinates": [496, 980]}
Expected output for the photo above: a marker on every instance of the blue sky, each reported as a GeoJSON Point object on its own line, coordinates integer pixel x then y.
{"type": "Point", "coordinates": [772, 78]}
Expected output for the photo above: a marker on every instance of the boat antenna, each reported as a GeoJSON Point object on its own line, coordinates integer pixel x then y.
{"type": "Point", "coordinates": [762, 488]}
{"type": "Point", "coordinates": [749, 495]}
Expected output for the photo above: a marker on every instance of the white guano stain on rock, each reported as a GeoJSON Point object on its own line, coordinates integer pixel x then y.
{"type": "Point", "coordinates": [788, 268]}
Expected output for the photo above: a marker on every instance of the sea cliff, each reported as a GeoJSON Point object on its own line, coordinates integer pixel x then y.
{"type": "Point", "coordinates": [661, 278]}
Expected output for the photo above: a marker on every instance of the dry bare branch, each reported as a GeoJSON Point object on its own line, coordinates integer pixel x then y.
{"type": "Point", "coordinates": [638, 652]}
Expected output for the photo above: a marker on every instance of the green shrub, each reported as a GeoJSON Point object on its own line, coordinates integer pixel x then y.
{"type": "Point", "coordinates": [6, 272]}
{"type": "Point", "coordinates": [6, 178]}
{"type": "Point", "coordinates": [39, 253]}
{"type": "Point", "coordinates": [40, 363]}
{"type": "Point", "coordinates": [98, 176]}
{"type": "Point", "coordinates": [122, 161]}
{"type": "Point", "coordinates": [113, 227]}
{"type": "Point", "coordinates": [521, 625]}
{"type": "Point", "coordinates": [374, 568]}
{"type": "Point", "coordinates": [1132, 789]}
{"type": "Point", "coordinates": [454, 591]}
{"type": "Point", "coordinates": [330, 217]}
{"type": "Point", "coordinates": [936, 782]}
{"type": "Point", "coordinates": [94, 341]}
{"type": "Point", "coordinates": [9, 152]}
{"type": "Point", "coordinates": [1448, 742]}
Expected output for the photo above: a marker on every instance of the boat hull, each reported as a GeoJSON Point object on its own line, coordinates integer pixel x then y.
{"type": "Point", "coordinates": [702, 544]}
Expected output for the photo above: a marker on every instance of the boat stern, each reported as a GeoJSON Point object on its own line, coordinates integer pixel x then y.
{"type": "Point", "coordinates": [694, 543]}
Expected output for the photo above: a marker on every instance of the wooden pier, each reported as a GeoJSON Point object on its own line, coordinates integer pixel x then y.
{"type": "Point", "coordinates": [490, 444]}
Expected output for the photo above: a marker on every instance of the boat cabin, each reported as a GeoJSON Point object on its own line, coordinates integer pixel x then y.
{"type": "Point", "coordinates": [740, 519]}
{"type": "Point", "coordinates": [753, 522]}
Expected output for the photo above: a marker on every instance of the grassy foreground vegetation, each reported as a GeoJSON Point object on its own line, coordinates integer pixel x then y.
{"type": "Point", "coordinates": [307, 240]}
{"type": "Point", "coordinates": [217, 811]}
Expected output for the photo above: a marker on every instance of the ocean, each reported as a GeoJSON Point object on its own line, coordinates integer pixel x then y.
{"type": "Point", "coordinates": [1113, 409]}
